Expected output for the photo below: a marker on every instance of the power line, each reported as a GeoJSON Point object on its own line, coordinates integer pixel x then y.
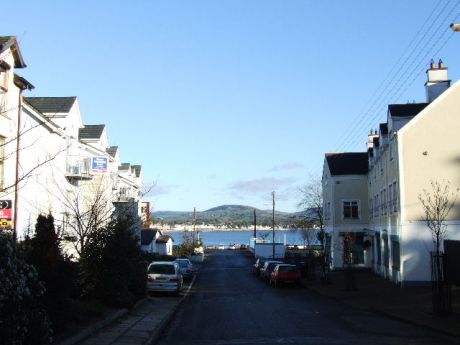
{"type": "Point", "coordinates": [401, 82]}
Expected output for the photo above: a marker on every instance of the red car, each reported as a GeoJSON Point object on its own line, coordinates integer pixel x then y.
{"type": "Point", "coordinates": [284, 273]}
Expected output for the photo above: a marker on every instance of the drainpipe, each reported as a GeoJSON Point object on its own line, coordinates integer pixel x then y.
{"type": "Point", "coordinates": [16, 180]}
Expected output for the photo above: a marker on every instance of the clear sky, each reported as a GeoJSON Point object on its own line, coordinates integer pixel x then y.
{"type": "Point", "coordinates": [224, 101]}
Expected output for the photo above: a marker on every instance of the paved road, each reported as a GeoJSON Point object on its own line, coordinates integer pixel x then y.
{"type": "Point", "coordinates": [229, 306]}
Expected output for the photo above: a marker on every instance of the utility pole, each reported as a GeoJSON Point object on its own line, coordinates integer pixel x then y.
{"type": "Point", "coordinates": [194, 224]}
{"type": "Point", "coordinates": [255, 224]}
{"type": "Point", "coordinates": [273, 224]}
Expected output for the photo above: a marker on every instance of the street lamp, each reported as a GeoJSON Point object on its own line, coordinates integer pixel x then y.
{"type": "Point", "coordinates": [455, 27]}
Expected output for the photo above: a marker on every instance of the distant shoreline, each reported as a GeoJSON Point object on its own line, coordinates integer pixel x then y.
{"type": "Point", "coordinates": [226, 230]}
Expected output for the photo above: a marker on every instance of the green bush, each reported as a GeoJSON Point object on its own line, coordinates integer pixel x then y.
{"type": "Point", "coordinates": [112, 264]}
{"type": "Point", "coordinates": [23, 319]}
{"type": "Point", "coordinates": [58, 275]}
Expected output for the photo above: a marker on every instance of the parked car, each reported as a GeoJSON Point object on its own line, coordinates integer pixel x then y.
{"type": "Point", "coordinates": [164, 276]}
{"type": "Point", "coordinates": [268, 268]}
{"type": "Point", "coordinates": [186, 268]}
{"type": "Point", "coordinates": [284, 273]}
{"type": "Point", "coordinates": [258, 265]}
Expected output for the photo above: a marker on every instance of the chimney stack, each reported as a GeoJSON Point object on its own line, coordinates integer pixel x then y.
{"type": "Point", "coordinates": [437, 81]}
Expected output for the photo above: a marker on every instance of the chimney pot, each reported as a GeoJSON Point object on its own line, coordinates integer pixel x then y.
{"type": "Point", "coordinates": [432, 64]}
{"type": "Point", "coordinates": [440, 64]}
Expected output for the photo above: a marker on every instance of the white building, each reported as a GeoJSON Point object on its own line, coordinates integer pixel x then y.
{"type": "Point", "coordinates": [51, 163]}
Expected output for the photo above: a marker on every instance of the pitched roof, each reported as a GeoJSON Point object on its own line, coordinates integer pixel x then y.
{"type": "Point", "coordinates": [148, 235]}
{"type": "Point", "coordinates": [406, 110]}
{"type": "Point", "coordinates": [347, 163]}
{"type": "Point", "coordinates": [112, 150]}
{"type": "Point", "coordinates": [384, 128]}
{"type": "Point", "coordinates": [164, 239]}
{"type": "Point", "coordinates": [124, 166]}
{"type": "Point", "coordinates": [90, 132]}
{"type": "Point", "coordinates": [51, 105]}
{"type": "Point", "coordinates": [137, 169]}
{"type": "Point", "coordinates": [11, 42]}
{"type": "Point", "coordinates": [22, 83]}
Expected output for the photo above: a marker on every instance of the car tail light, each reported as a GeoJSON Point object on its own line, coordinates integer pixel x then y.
{"type": "Point", "coordinates": [150, 279]}
{"type": "Point", "coordinates": [173, 280]}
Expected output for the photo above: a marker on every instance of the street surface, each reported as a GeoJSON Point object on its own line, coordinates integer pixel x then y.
{"type": "Point", "coordinates": [230, 306]}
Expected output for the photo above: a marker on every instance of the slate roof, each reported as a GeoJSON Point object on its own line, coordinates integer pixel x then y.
{"type": "Point", "coordinates": [147, 236]}
{"type": "Point", "coordinates": [112, 150]}
{"type": "Point", "coordinates": [22, 83]}
{"type": "Point", "coordinates": [90, 132]}
{"type": "Point", "coordinates": [164, 239]}
{"type": "Point", "coordinates": [11, 42]}
{"type": "Point", "coordinates": [137, 169]}
{"type": "Point", "coordinates": [347, 163]}
{"type": "Point", "coordinates": [376, 141]}
{"type": "Point", "coordinates": [51, 105]}
{"type": "Point", "coordinates": [406, 110]}
{"type": "Point", "coordinates": [124, 166]}
{"type": "Point", "coordinates": [384, 128]}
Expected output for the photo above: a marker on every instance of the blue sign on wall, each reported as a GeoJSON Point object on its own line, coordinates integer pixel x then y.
{"type": "Point", "coordinates": [99, 165]}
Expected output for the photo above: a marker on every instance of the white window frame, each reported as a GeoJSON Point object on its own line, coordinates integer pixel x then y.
{"type": "Point", "coordinates": [351, 202]}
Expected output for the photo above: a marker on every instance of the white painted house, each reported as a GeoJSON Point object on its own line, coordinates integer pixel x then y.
{"type": "Point", "coordinates": [50, 162]}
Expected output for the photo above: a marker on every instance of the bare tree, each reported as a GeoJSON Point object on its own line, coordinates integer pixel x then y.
{"type": "Point", "coordinates": [437, 204]}
{"type": "Point", "coordinates": [312, 203]}
{"type": "Point", "coordinates": [87, 210]}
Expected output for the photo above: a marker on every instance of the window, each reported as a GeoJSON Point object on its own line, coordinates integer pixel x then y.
{"type": "Point", "coordinates": [2, 157]}
{"type": "Point", "coordinates": [351, 209]}
{"type": "Point", "coordinates": [371, 208]}
{"type": "Point", "coordinates": [378, 247]}
{"type": "Point", "coordinates": [395, 257]}
{"type": "Point", "coordinates": [384, 201]}
{"type": "Point", "coordinates": [327, 211]}
{"type": "Point", "coordinates": [386, 256]}
{"type": "Point", "coordinates": [376, 205]}
{"type": "Point", "coordinates": [390, 198]}
{"type": "Point", "coordinates": [395, 198]}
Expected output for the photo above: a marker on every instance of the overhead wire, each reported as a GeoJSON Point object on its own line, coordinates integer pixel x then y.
{"type": "Point", "coordinates": [411, 70]}
{"type": "Point", "coordinates": [392, 74]}
{"type": "Point", "coordinates": [375, 105]}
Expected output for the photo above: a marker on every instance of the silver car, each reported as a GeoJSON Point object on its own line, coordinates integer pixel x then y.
{"type": "Point", "coordinates": [186, 268]}
{"type": "Point", "coordinates": [164, 276]}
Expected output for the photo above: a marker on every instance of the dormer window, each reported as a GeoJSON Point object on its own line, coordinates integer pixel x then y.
{"type": "Point", "coordinates": [4, 68]}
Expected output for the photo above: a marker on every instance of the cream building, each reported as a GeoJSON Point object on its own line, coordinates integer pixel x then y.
{"type": "Point", "coordinates": [416, 145]}
{"type": "Point", "coordinates": [345, 209]}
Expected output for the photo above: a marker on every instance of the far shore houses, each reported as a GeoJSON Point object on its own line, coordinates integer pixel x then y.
{"type": "Point", "coordinates": [374, 195]}
{"type": "Point", "coordinates": [53, 163]}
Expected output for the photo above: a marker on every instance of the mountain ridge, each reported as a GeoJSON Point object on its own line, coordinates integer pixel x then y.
{"type": "Point", "coordinates": [232, 216]}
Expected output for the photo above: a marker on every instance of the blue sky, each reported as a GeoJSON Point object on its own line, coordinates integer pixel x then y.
{"type": "Point", "coordinates": [224, 101]}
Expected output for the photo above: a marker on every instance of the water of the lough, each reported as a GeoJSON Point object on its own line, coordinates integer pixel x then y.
{"type": "Point", "coordinates": [226, 238]}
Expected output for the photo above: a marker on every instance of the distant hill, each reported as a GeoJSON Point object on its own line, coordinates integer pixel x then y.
{"type": "Point", "coordinates": [232, 216]}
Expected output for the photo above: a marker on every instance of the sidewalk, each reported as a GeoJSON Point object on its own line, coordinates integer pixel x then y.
{"type": "Point", "coordinates": [141, 325]}
{"type": "Point", "coordinates": [408, 304]}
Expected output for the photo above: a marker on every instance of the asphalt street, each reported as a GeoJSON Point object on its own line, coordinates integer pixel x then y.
{"type": "Point", "coordinates": [228, 305]}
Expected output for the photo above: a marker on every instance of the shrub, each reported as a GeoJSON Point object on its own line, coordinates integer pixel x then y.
{"type": "Point", "coordinates": [23, 320]}
{"type": "Point", "coordinates": [57, 274]}
{"type": "Point", "coordinates": [111, 264]}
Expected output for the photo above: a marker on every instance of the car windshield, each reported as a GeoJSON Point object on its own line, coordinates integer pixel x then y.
{"type": "Point", "coordinates": [271, 266]}
{"type": "Point", "coordinates": [182, 263]}
{"type": "Point", "coordinates": [161, 269]}
{"type": "Point", "coordinates": [287, 269]}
